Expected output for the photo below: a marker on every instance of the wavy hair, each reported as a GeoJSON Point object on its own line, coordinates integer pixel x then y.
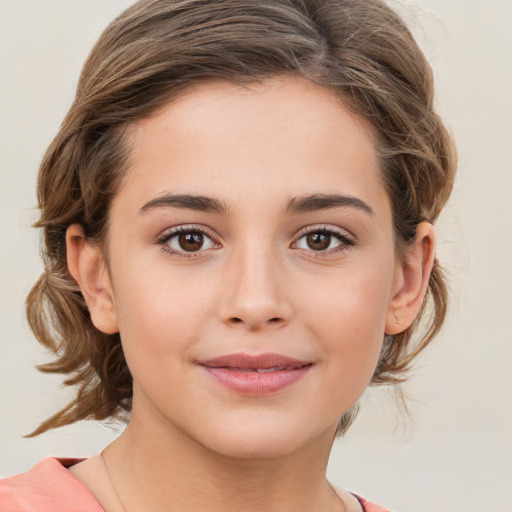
{"type": "Point", "coordinates": [152, 52]}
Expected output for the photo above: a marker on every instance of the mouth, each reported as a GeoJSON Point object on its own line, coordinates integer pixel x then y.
{"type": "Point", "coordinates": [264, 370]}
{"type": "Point", "coordinates": [256, 375]}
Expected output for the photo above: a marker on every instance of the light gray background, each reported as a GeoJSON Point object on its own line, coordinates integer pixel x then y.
{"type": "Point", "coordinates": [454, 454]}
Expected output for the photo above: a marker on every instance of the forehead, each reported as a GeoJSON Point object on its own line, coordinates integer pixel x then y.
{"type": "Point", "coordinates": [283, 102]}
{"type": "Point", "coordinates": [282, 135]}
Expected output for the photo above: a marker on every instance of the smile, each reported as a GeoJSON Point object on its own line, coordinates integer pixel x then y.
{"type": "Point", "coordinates": [256, 375]}
{"type": "Point", "coordinates": [264, 370]}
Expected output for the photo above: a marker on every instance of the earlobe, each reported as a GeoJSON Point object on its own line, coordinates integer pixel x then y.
{"type": "Point", "coordinates": [87, 265]}
{"type": "Point", "coordinates": [414, 274]}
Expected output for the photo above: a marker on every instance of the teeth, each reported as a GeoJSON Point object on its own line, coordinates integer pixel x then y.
{"type": "Point", "coordinates": [263, 370]}
{"type": "Point", "coordinates": [273, 369]}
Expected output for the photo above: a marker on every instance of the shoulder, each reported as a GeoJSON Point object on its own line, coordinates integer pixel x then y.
{"type": "Point", "coordinates": [355, 502]}
{"type": "Point", "coordinates": [48, 486]}
{"type": "Point", "coordinates": [370, 507]}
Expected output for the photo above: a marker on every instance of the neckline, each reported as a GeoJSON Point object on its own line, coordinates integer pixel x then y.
{"type": "Point", "coordinates": [62, 465]}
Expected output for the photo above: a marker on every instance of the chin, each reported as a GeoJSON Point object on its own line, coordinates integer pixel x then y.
{"type": "Point", "coordinates": [253, 449]}
{"type": "Point", "coordinates": [265, 441]}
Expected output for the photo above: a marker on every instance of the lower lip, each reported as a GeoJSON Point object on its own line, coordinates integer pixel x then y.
{"type": "Point", "coordinates": [255, 383]}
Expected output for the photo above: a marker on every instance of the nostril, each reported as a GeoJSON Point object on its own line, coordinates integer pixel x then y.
{"type": "Point", "coordinates": [237, 320]}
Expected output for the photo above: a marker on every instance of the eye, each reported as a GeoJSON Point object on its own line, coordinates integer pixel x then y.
{"type": "Point", "coordinates": [183, 240]}
{"type": "Point", "coordinates": [323, 240]}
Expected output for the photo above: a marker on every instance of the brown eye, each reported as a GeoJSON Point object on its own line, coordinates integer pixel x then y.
{"type": "Point", "coordinates": [191, 242]}
{"type": "Point", "coordinates": [318, 241]}
{"type": "Point", "coordinates": [323, 240]}
{"type": "Point", "coordinates": [188, 241]}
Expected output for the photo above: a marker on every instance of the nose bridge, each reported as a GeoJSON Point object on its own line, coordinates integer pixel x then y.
{"type": "Point", "coordinates": [254, 296]}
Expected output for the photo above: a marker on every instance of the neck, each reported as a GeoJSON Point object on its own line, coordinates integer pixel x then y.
{"type": "Point", "coordinates": [176, 473]}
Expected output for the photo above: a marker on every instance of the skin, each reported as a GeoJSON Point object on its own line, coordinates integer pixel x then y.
{"type": "Point", "coordinates": [256, 285]}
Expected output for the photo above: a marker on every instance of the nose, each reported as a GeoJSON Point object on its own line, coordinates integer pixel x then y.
{"type": "Point", "coordinates": [254, 295]}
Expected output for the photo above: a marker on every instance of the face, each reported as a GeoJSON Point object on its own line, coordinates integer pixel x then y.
{"type": "Point", "coordinates": [252, 265]}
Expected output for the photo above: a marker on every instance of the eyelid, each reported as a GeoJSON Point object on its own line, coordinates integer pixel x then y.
{"type": "Point", "coordinates": [346, 238]}
{"type": "Point", "coordinates": [171, 232]}
{"type": "Point", "coordinates": [313, 228]}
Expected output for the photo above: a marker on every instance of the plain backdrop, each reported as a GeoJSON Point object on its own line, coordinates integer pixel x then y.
{"type": "Point", "coordinates": [454, 451]}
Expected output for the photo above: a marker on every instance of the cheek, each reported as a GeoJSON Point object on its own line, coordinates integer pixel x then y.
{"type": "Point", "coordinates": [158, 317]}
{"type": "Point", "coordinates": [348, 320]}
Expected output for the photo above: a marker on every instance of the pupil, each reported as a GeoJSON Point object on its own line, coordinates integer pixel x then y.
{"type": "Point", "coordinates": [318, 241]}
{"type": "Point", "coordinates": [191, 241]}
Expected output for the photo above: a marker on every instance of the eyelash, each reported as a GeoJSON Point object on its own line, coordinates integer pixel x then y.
{"type": "Point", "coordinates": [163, 240]}
{"type": "Point", "coordinates": [345, 240]}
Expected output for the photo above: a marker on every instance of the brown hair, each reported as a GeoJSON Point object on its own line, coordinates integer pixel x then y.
{"type": "Point", "coordinates": [157, 48]}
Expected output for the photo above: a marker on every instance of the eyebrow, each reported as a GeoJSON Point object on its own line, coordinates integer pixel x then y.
{"type": "Point", "coordinates": [187, 202]}
{"type": "Point", "coordinates": [297, 205]}
{"type": "Point", "coordinates": [315, 202]}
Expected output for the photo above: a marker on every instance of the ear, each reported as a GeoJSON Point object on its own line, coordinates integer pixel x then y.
{"type": "Point", "coordinates": [413, 274]}
{"type": "Point", "coordinates": [87, 265]}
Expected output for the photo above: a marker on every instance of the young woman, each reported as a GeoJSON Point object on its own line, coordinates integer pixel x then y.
{"type": "Point", "coordinates": [238, 237]}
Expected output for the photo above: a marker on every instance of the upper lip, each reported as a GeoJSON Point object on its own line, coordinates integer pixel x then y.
{"type": "Point", "coordinates": [242, 361]}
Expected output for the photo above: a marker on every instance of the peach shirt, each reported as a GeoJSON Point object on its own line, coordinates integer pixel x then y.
{"type": "Point", "coordinates": [50, 487]}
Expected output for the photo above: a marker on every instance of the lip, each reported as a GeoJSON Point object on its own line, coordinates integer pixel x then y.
{"type": "Point", "coordinates": [256, 375]}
